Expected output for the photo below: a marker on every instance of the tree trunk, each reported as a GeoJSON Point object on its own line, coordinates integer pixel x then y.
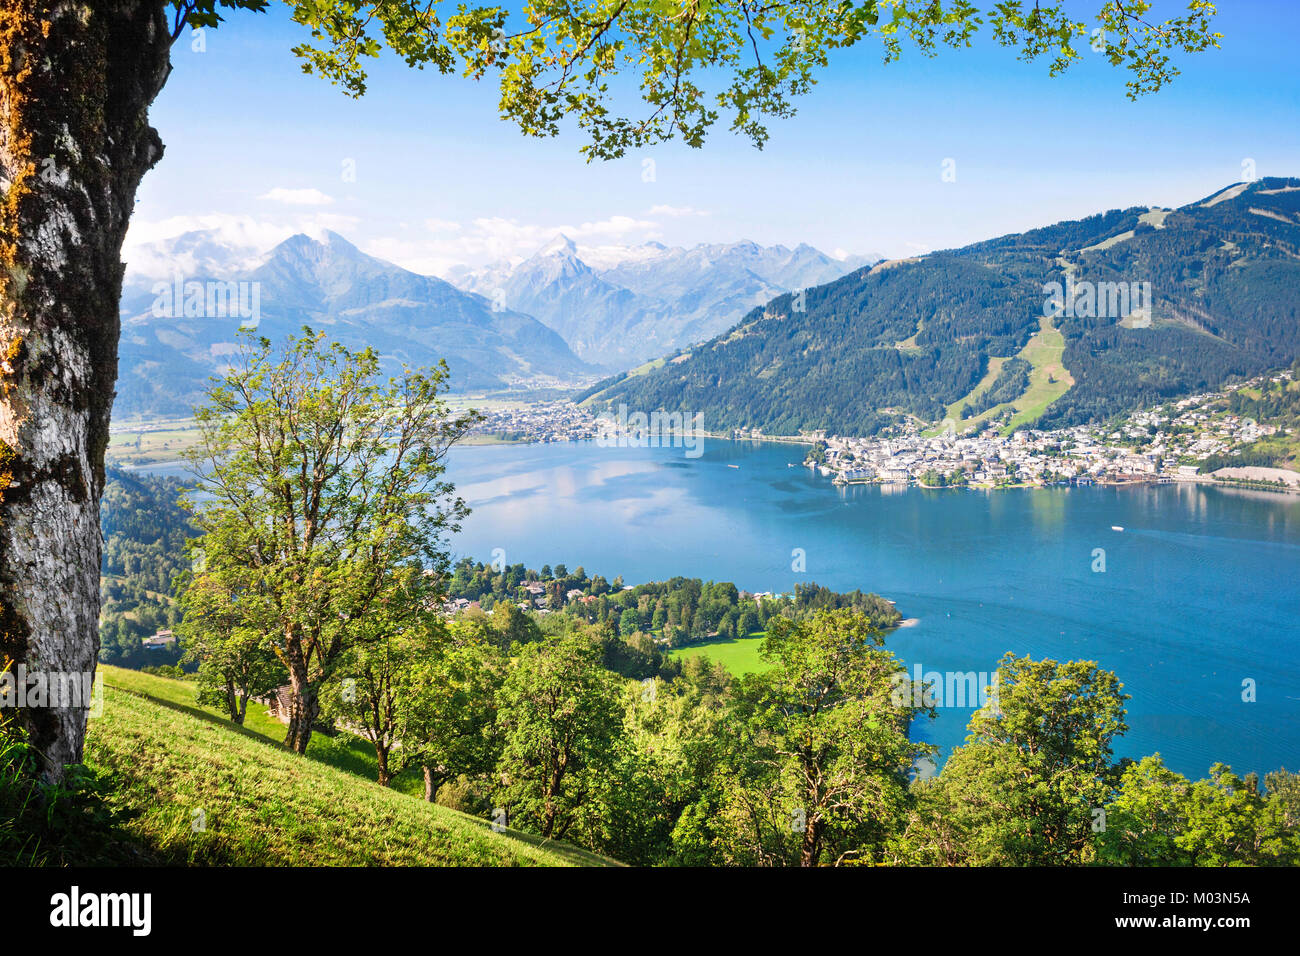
{"type": "Point", "coordinates": [810, 847]}
{"type": "Point", "coordinates": [431, 786]}
{"type": "Point", "coordinates": [304, 706]}
{"type": "Point", "coordinates": [232, 704]}
{"type": "Point", "coordinates": [549, 811]}
{"type": "Point", "coordinates": [381, 759]}
{"type": "Point", "coordinates": [76, 81]}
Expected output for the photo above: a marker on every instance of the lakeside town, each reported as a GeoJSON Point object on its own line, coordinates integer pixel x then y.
{"type": "Point", "coordinates": [1161, 445]}
{"type": "Point", "coordinates": [1164, 444]}
{"type": "Point", "coordinates": [537, 422]}
{"type": "Point", "coordinates": [1168, 443]}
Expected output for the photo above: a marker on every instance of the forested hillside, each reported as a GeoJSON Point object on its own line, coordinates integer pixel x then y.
{"type": "Point", "coordinates": [680, 610]}
{"type": "Point", "coordinates": [144, 536]}
{"type": "Point", "coordinates": [911, 337]}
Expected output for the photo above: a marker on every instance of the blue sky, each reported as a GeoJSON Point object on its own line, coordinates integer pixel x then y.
{"type": "Point", "coordinates": [256, 148]}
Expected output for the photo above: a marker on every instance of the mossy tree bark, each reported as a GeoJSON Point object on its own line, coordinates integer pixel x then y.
{"type": "Point", "coordinates": [76, 82]}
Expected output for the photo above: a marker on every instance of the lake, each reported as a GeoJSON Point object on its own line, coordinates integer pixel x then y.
{"type": "Point", "coordinates": [1200, 592]}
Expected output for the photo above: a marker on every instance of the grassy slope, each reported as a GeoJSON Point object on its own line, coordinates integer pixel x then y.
{"type": "Point", "coordinates": [1043, 352]}
{"type": "Point", "coordinates": [344, 751]}
{"type": "Point", "coordinates": [265, 805]}
{"type": "Point", "coordinates": [983, 385]}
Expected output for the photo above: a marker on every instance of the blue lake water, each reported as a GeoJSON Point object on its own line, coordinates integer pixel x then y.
{"type": "Point", "coordinates": [1201, 590]}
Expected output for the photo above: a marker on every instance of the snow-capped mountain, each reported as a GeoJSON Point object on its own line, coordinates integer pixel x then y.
{"type": "Point", "coordinates": [619, 307]}
{"type": "Point", "coordinates": [173, 338]}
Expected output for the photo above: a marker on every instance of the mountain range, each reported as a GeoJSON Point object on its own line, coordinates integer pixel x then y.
{"type": "Point", "coordinates": [1120, 310]}
{"type": "Point", "coordinates": [651, 299]}
{"type": "Point", "coordinates": [550, 320]}
{"type": "Point", "coordinates": [173, 339]}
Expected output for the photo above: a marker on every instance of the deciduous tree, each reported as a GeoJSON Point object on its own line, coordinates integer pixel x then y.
{"type": "Point", "coordinates": [320, 484]}
{"type": "Point", "coordinates": [236, 657]}
{"type": "Point", "coordinates": [448, 710]}
{"type": "Point", "coordinates": [560, 715]}
{"type": "Point", "coordinates": [822, 749]}
{"type": "Point", "coordinates": [1037, 769]}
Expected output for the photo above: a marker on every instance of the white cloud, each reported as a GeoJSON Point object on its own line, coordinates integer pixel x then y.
{"type": "Point", "coordinates": [431, 246]}
{"type": "Point", "coordinates": [493, 240]}
{"type": "Point", "coordinates": [298, 197]}
{"type": "Point", "coordinates": [231, 243]}
{"type": "Point", "coordinates": [675, 212]}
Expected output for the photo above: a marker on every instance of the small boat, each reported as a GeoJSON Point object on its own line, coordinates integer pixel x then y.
{"type": "Point", "coordinates": [1116, 527]}
{"type": "Point", "coordinates": [733, 466]}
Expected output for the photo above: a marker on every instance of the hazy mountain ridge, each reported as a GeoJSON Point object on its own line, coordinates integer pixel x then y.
{"type": "Point", "coordinates": [914, 336]}
{"type": "Point", "coordinates": [165, 360]}
{"type": "Point", "coordinates": [619, 310]}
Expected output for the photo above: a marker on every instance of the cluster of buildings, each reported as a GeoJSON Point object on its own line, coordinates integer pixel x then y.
{"type": "Point", "coordinates": [533, 596]}
{"type": "Point", "coordinates": [988, 459]}
{"type": "Point", "coordinates": [1163, 444]}
{"type": "Point", "coordinates": [1192, 428]}
{"type": "Point", "coordinates": [162, 640]}
{"type": "Point", "coordinates": [1155, 445]}
{"type": "Point", "coordinates": [542, 422]}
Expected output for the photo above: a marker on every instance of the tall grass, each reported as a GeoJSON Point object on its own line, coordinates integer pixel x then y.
{"type": "Point", "coordinates": [44, 824]}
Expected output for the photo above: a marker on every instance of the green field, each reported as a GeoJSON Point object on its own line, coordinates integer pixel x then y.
{"type": "Point", "coordinates": [737, 656]}
{"type": "Point", "coordinates": [1044, 353]}
{"type": "Point", "coordinates": [149, 447]}
{"type": "Point", "coordinates": [909, 344]}
{"type": "Point", "coordinates": [263, 805]}
{"type": "Point", "coordinates": [953, 411]}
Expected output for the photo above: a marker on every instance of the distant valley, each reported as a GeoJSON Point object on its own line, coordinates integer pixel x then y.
{"type": "Point", "coordinates": [1074, 322]}
{"type": "Point", "coordinates": [166, 359]}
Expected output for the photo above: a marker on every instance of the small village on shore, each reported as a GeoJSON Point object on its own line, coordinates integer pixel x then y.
{"type": "Point", "coordinates": [537, 422]}
{"type": "Point", "coordinates": [1172, 442]}
{"type": "Point", "coordinates": [1161, 445]}
{"type": "Point", "coordinates": [1164, 444]}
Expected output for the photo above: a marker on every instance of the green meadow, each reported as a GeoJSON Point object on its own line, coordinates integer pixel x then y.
{"type": "Point", "coordinates": [739, 656]}
{"type": "Point", "coordinates": [193, 788]}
